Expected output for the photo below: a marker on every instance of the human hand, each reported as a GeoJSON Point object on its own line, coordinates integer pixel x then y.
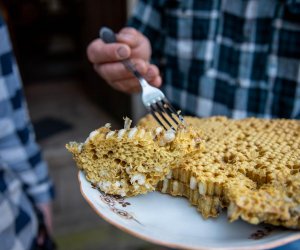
{"type": "Point", "coordinates": [106, 59]}
{"type": "Point", "coordinates": [46, 209]}
{"type": "Point", "coordinates": [44, 234]}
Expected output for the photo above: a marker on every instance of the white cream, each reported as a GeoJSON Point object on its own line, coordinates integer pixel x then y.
{"type": "Point", "coordinates": [127, 123]}
{"type": "Point", "coordinates": [104, 185]}
{"type": "Point", "coordinates": [296, 209]}
{"type": "Point", "coordinates": [122, 192]}
{"type": "Point", "coordinates": [103, 173]}
{"type": "Point", "coordinates": [141, 133]}
{"type": "Point", "coordinates": [92, 135]}
{"type": "Point", "coordinates": [202, 188]}
{"type": "Point", "coordinates": [158, 130]}
{"type": "Point", "coordinates": [107, 125]}
{"type": "Point", "coordinates": [158, 169]}
{"type": "Point", "coordinates": [232, 208]}
{"type": "Point", "coordinates": [121, 133]}
{"type": "Point", "coordinates": [165, 186]}
{"type": "Point", "coordinates": [132, 132]}
{"type": "Point", "coordinates": [287, 199]}
{"type": "Point", "coordinates": [117, 184]}
{"type": "Point", "coordinates": [80, 146]}
{"type": "Point", "coordinates": [139, 178]}
{"type": "Point", "coordinates": [175, 186]}
{"type": "Point", "coordinates": [193, 183]}
{"type": "Point", "coordinates": [110, 134]}
{"type": "Point", "coordinates": [169, 175]}
{"type": "Point", "coordinates": [128, 170]}
{"type": "Point", "coordinates": [169, 136]}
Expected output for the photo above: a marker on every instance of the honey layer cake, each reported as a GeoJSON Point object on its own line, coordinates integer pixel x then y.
{"type": "Point", "coordinates": [250, 166]}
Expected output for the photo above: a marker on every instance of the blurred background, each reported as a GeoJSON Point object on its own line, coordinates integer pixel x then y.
{"type": "Point", "coordinates": [67, 100]}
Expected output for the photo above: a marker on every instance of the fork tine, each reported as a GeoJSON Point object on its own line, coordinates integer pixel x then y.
{"type": "Point", "coordinates": [171, 110]}
{"type": "Point", "coordinates": [164, 108]}
{"type": "Point", "coordinates": [156, 118]}
{"type": "Point", "coordinates": [156, 107]}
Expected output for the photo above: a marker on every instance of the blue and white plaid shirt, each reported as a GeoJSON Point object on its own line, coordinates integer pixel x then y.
{"type": "Point", "coordinates": [235, 58]}
{"type": "Point", "coordinates": [223, 57]}
{"type": "Point", "coordinates": [24, 180]}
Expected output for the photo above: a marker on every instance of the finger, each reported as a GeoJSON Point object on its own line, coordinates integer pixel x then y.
{"type": "Point", "coordinates": [152, 72]}
{"type": "Point", "coordinates": [41, 239]}
{"type": "Point", "coordinates": [128, 86]}
{"type": "Point", "coordinates": [129, 36]}
{"type": "Point", "coordinates": [139, 44]}
{"type": "Point", "coordinates": [112, 71]}
{"type": "Point", "coordinates": [132, 85]}
{"type": "Point", "coordinates": [100, 52]}
{"type": "Point", "coordinates": [117, 71]}
{"type": "Point", "coordinates": [156, 82]}
{"type": "Point", "coordinates": [46, 209]}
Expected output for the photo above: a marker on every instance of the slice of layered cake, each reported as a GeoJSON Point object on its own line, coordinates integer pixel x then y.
{"type": "Point", "coordinates": [250, 166]}
{"type": "Point", "coordinates": [132, 161]}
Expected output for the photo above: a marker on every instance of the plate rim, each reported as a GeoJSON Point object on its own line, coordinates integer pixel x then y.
{"type": "Point", "coordinates": [276, 243]}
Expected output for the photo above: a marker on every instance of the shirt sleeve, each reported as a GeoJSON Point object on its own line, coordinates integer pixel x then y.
{"type": "Point", "coordinates": [18, 147]}
{"type": "Point", "coordinates": [147, 18]}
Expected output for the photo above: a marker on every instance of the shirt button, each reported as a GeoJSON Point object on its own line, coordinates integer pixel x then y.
{"type": "Point", "coordinates": [211, 72]}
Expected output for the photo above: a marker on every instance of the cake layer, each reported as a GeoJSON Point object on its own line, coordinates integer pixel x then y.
{"type": "Point", "coordinates": [208, 206]}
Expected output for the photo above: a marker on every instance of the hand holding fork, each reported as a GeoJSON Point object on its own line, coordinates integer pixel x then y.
{"type": "Point", "coordinates": [153, 99]}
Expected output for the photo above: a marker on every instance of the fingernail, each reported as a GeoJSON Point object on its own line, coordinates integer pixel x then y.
{"type": "Point", "coordinates": [123, 52]}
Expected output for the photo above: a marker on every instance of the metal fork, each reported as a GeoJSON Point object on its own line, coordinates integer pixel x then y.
{"type": "Point", "coordinates": [154, 99]}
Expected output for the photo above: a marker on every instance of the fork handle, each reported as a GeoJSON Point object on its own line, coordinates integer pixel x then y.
{"type": "Point", "coordinates": [108, 36]}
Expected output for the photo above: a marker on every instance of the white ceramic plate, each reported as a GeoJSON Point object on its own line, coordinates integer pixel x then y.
{"type": "Point", "coordinates": [173, 222]}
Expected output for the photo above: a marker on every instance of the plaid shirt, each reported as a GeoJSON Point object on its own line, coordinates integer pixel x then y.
{"type": "Point", "coordinates": [223, 57]}
{"type": "Point", "coordinates": [24, 179]}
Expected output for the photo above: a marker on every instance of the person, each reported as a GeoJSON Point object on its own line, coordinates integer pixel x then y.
{"type": "Point", "coordinates": [26, 189]}
{"type": "Point", "coordinates": [232, 58]}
